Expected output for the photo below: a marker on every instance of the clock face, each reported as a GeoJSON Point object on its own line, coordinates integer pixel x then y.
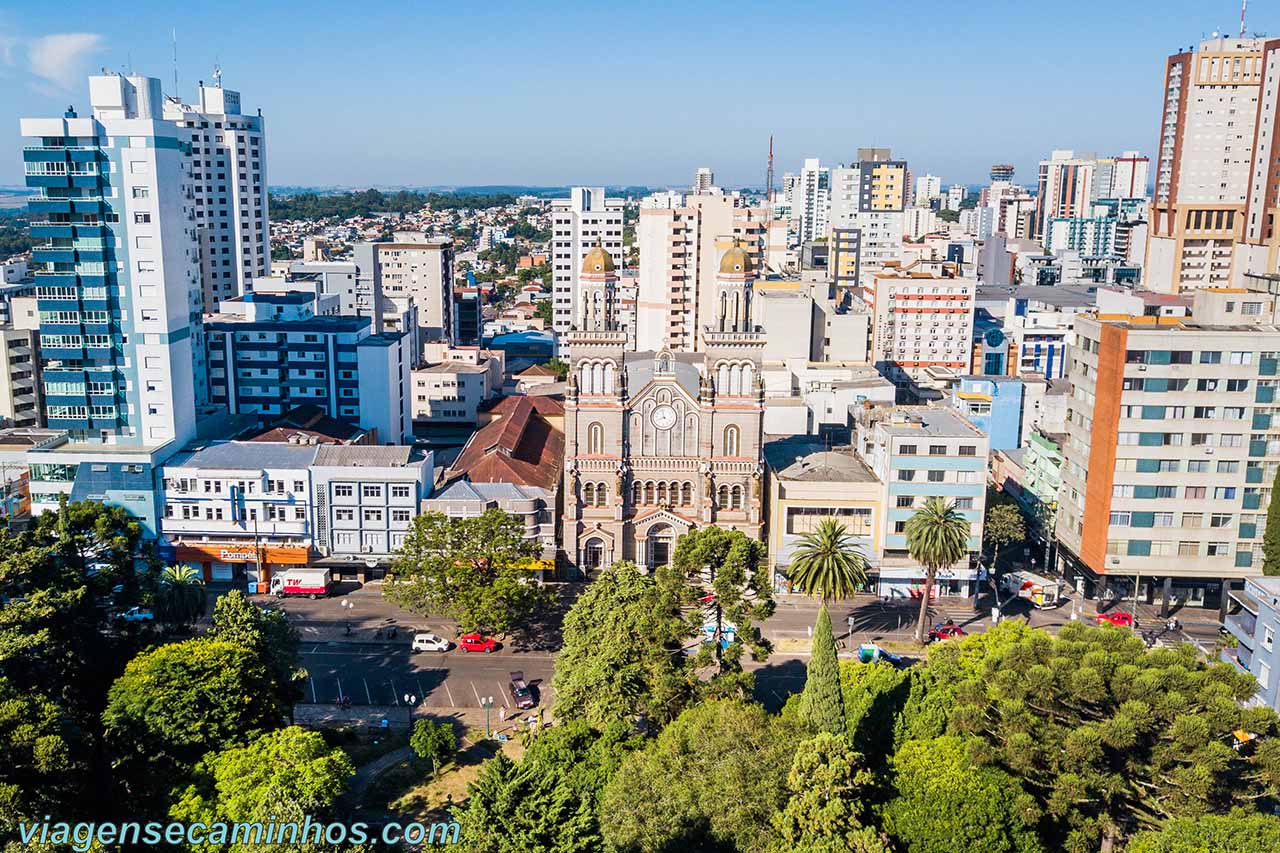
{"type": "Point", "coordinates": [664, 417]}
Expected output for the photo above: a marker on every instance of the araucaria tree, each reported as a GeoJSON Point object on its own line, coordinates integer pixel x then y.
{"type": "Point", "coordinates": [822, 704]}
{"type": "Point", "coordinates": [730, 568]}
{"type": "Point", "coordinates": [473, 570]}
{"type": "Point", "coordinates": [1271, 538]}
{"type": "Point", "coordinates": [827, 564]}
{"type": "Point", "coordinates": [937, 537]}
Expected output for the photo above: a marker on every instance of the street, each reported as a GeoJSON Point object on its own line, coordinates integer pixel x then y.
{"type": "Point", "coordinates": [370, 667]}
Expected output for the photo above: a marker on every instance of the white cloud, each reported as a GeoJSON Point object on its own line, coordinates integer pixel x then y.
{"type": "Point", "coordinates": [61, 58]}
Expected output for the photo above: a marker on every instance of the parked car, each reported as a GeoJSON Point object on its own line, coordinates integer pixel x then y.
{"type": "Point", "coordinates": [1119, 618]}
{"type": "Point", "coordinates": [946, 631]}
{"type": "Point", "coordinates": [138, 614]}
{"type": "Point", "coordinates": [477, 643]}
{"type": "Point", "coordinates": [429, 643]}
{"type": "Point", "coordinates": [521, 694]}
{"type": "Point", "coordinates": [870, 653]}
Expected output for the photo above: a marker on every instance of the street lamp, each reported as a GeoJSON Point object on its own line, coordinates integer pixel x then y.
{"type": "Point", "coordinates": [346, 606]}
{"type": "Point", "coordinates": [486, 703]}
{"type": "Point", "coordinates": [410, 700]}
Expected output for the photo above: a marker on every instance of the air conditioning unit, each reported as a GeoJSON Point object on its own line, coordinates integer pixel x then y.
{"type": "Point", "coordinates": [1142, 367]}
{"type": "Point", "coordinates": [1208, 451]}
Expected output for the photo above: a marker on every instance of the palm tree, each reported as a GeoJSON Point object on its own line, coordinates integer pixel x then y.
{"type": "Point", "coordinates": [182, 596]}
{"type": "Point", "coordinates": [828, 564]}
{"type": "Point", "coordinates": [937, 537]}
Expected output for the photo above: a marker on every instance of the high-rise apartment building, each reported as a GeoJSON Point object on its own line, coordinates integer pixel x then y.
{"type": "Point", "coordinates": [411, 267]}
{"type": "Point", "coordinates": [1171, 448]}
{"type": "Point", "coordinates": [1211, 133]}
{"type": "Point", "coordinates": [810, 196]}
{"type": "Point", "coordinates": [928, 187]}
{"type": "Point", "coordinates": [922, 318]}
{"type": "Point", "coordinates": [116, 265]}
{"type": "Point", "coordinates": [955, 196]}
{"type": "Point", "coordinates": [680, 253]}
{"type": "Point", "coordinates": [870, 197]}
{"type": "Point", "coordinates": [577, 224]}
{"type": "Point", "coordinates": [229, 184]}
{"type": "Point", "coordinates": [703, 180]}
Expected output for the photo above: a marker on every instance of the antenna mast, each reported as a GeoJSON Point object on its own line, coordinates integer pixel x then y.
{"type": "Point", "coordinates": [768, 181]}
{"type": "Point", "coordinates": [1244, 5]}
{"type": "Point", "coordinates": [175, 63]}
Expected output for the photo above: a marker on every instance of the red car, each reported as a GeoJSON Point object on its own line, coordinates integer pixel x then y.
{"type": "Point", "coordinates": [477, 643]}
{"type": "Point", "coordinates": [1120, 618]}
{"type": "Point", "coordinates": [945, 631]}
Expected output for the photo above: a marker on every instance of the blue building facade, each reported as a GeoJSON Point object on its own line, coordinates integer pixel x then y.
{"type": "Point", "coordinates": [994, 405]}
{"type": "Point", "coordinates": [1253, 619]}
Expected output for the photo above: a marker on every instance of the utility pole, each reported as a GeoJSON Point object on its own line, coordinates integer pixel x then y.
{"type": "Point", "coordinates": [768, 181]}
{"type": "Point", "coordinates": [1244, 5]}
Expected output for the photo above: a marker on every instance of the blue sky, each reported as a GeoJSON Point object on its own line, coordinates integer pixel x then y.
{"type": "Point", "coordinates": [555, 92]}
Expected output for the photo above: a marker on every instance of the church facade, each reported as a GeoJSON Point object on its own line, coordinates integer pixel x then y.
{"type": "Point", "coordinates": [659, 443]}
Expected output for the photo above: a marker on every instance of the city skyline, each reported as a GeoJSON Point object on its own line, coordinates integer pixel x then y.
{"type": "Point", "coordinates": [481, 117]}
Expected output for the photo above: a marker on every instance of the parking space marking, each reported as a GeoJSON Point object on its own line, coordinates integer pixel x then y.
{"type": "Point", "coordinates": [477, 694]}
{"type": "Point", "coordinates": [452, 704]}
{"type": "Point", "coordinates": [366, 691]}
{"type": "Point", "coordinates": [312, 682]}
{"type": "Point", "coordinates": [395, 697]}
{"type": "Point", "coordinates": [339, 680]}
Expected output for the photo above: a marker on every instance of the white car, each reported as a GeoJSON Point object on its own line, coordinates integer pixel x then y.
{"type": "Point", "coordinates": [138, 614]}
{"type": "Point", "coordinates": [429, 643]}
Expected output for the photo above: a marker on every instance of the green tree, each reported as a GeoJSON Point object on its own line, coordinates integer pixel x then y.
{"type": "Point", "coordinates": [827, 563]}
{"type": "Point", "coordinates": [730, 566]}
{"type": "Point", "coordinates": [1271, 536]}
{"type": "Point", "coordinates": [821, 704]}
{"type": "Point", "coordinates": [42, 764]}
{"type": "Point", "coordinates": [937, 537]}
{"type": "Point", "coordinates": [621, 656]}
{"type": "Point", "coordinates": [267, 633]}
{"type": "Point", "coordinates": [433, 740]}
{"type": "Point", "coordinates": [289, 767]}
{"type": "Point", "coordinates": [712, 780]}
{"type": "Point", "coordinates": [177, 702]}
{"type": "Point", "coordinates": [1108, 735]}
{"type": "Point", "coordinates": [874, 695]}
{"type": "Point", "coordinates": [542, 310]}
{"type": "Point", "coordinates": [831, 790]}
{"type": "Point", "coordinates": [473, 570]}
{"type": "Point", "coordinates": [1241, 831]}
{"type": "Point", "coordinates": [945, 802]}
{"type": "Point", "coordinates": [1004, 524]}
{"type": "Point", "coordinates": [182, 596]}
{"type": "Point", "coordinates": [559, 365]}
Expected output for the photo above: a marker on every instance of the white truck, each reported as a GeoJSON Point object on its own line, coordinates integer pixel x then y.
{"type": "Point", "coordinates": [1040, 591]}
{"type": "Point", "coordinates": [310, 581]}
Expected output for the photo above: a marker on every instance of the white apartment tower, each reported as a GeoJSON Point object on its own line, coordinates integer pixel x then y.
{"type": "Point", "coordinates": [229, 181]}
{"type": "Point", "coordinates": [577, 224]}
{"type": "Point", "coordinates": [117, 276]}
{"type": "Point", "coordinates": [703, 180]}
{"type": "Point", "coordinates": [810, 201]}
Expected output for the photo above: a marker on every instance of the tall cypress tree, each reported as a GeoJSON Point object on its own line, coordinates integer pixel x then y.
{"type": "Point", "coordinates": [1271, 538]}
{"type": "Point", "coordinates": [821, 704]}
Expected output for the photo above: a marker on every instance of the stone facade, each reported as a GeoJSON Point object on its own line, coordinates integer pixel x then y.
{"type": "Point", "coordinates": [658, 443]}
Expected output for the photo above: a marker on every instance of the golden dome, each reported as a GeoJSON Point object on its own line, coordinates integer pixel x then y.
{"type": "Point", "coordinates": [597, 260]}
{"type": "Point", "coordinates": [736, 260]}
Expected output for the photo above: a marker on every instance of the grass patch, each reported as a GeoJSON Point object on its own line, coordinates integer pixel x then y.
{"type": "Point", "coordinates": [362, 744]}
{"type": "Point", "coordinates": [432, 794]}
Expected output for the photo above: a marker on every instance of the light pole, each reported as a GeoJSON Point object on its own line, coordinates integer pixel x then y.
{"type": "Point", "coordinates": [410, 700]}
{"type": "Point", "coordinates": [486, 703]}
{"type": "Point", "coordinates": [347, 606]}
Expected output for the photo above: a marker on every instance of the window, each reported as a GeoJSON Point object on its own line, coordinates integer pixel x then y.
{"type": "Point", "coordinates": [1264, 674]}
{"type": "Point", "coordinates": [906, 501]}
{"type": "Point", "coordinates": [937, 450]}
{"type": "Point", "coordinates": [1194, 493]}
{"type": "Point", "coordinates": [1220, 519]}
{"type": "Point", "coordinates": [300, 513]}
{"type": "Point", "coordinates": [1121, 491]}
{"type": "Point", "coordinates": [400, 515]}
{"type": "Point", "coordinates": [400, 491]}
{"type": "Point", "coordinates": [1166, 491]}
{"type": "Point", "coordinates": [906, 475]}
{"type": "Point", "coordinates": [1218, 549]}
{"type": "Point", "coordinates": [1228, 467]}
{"type": "Point", "coordinates": [907, 449]}
{"type": "Point", "coordinates": [369, 491]}
{"type": "Point", "coordinates": [343, 491]}
{"type": "Point", "coordinates": [1127, 438]}
{"type": "Point", "coordinates": [937, 476]}
{"type": "Point", "coordinates": [731, 441]}
{"type": "Point", "coordinates": [1210, 357]}
{"type": "Point", "coordinates": [373, 515]}
{"type": "Point", "coordinates": [1241, 358]}
{"type": "Point", "coordinates": [1224, 493]}
{"type": "Point", "coordinates": [964, 503]}
{"type": "Point", "coordinates": [807, 519]}
{"type": "Point", "coordinates": [344, 514]}
{"type": "Point", "coordinates": [1198, 466]}
{"type": "Point", "coordinates": [968, 450]}
{"type": "Point", "coordinates": [141, 192]}
{"type": "Point", "coordinates": [1163, 519]}
{"type": "Point", "coordinates": [140, 218]}
{"type": "Point", "coordinates": [1120, 519]}
{"type": "Point", "coordinates": [595, 439]}
{"type": "Point", "coordinates": [298, 485]}
{"type": "Point", "coordinates": [899, 527]}
{"type": "Point", "coordinates": [1117, 546]}
{"type": "Point", "coordinates": [1268, 637]}
{"type": "Point", "coordinates": [1237, 384]}
{"type": "Point", "coordinates": [1188, 549]}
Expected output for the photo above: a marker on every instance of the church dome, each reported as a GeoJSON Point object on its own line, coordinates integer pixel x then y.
{"type": "Point", "coordinates": [736, 260]}
{"type": "Point", "coordinates": [597, 261]}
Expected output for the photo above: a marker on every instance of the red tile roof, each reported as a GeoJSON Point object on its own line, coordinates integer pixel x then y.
{"type": "Point", "coordinates": [520, 447]}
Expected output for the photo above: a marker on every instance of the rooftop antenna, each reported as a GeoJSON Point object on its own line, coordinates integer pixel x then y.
{"type": "Point", "coordinates": [175, 62]}
{"type": "Point", "coordinates": [768, 181]}
{"type": "Point", "coordinates": [217, 75]}
{"type": "Point", "coordinates": [1244, 6]}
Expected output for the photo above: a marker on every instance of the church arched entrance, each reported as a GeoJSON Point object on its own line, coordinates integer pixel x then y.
{"type": "Point", "coordinates": [662, 543]}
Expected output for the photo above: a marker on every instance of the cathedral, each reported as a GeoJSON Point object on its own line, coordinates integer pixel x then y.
{"type": "Point", "coordinates": [658, 443]}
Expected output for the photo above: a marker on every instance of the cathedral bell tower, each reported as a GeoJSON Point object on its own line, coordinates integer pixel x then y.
{"type": "Point", "coordinates": [734, 285]}
{"type": "Point", "coordinates": [598, 281]}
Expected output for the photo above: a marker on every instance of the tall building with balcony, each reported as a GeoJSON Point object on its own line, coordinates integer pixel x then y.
{"type": "Point", "coordinates": [1171, 449]}
{"type": "Point", "coordinates": [922, 318]}
{"type": "Point", "coordinates": [868, 199]}
{"type": "Point", "coordinates": [1253, 619]}
{"type": "Point", "coordinates": [229, 182]}
{"type": "Point", "coordinates": [117, 267]}
{"type": "Point", "coordinates": [810, 199]}
{"type": "Point", "coordinates": [578, 223]}
{"type": "Point", "coordinates": [1216, 135]}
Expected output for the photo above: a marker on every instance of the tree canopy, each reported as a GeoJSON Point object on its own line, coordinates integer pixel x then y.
{"type": "Point", "coordinates": [821, 703]}
{"type": "Point", "coordinates": [267, 633]}
{"type": "Point", "coordinates": [365, 202]}
{"type": "Point", "coordinates": [621, 656]}
{"type": "Point", "coordinates": [474, 570]}
{"type": "Point", "coordinates": [827, 563]}
{"type": "Point", "coordinates": [1271, 536]}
